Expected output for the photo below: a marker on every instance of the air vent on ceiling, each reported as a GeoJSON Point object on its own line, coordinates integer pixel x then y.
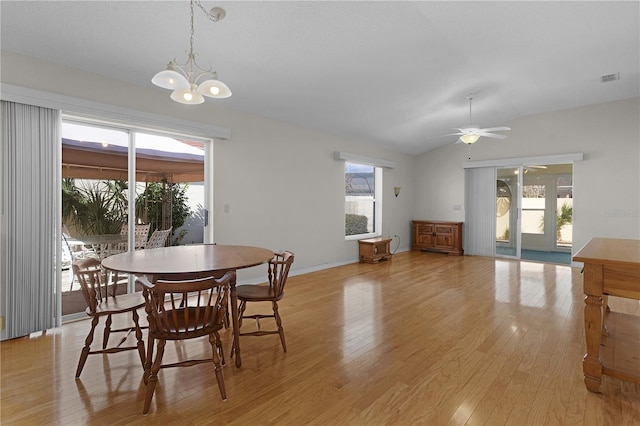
{"type": "Point", "coordinates": [610, 77]}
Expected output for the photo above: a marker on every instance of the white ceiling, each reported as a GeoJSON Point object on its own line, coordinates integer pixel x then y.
{"type": "Point", "coordinates": [394, 74]}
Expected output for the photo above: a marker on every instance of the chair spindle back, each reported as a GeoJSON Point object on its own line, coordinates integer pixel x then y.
{"type": "Point", "coordinates": [278, 271]}
{"type": "Point", "coordinates": [186, 308]}
{"type": "Point", "coordinates": [93, 281]}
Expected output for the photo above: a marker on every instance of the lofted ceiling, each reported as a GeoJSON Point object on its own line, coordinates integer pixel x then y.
{"type": "Point", "coordinates": [393, 74]}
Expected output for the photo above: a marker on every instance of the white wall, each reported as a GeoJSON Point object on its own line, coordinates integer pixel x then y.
{"type": "Point", "coordinates": [606, 184]}
{"type": "Point", "coordinates": [285, 190]}
{"type": "Point", "coordinates": [282, 185]}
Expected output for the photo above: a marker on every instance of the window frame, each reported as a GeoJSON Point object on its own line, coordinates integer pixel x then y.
{"type": "Point", "coordinates": [376, 199]}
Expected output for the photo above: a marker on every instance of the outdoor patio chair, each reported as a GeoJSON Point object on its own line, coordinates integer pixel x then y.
{"type": "Point", "coordinates": [141, 235]}
{"type": "Point", "coordinates": [158, 239]}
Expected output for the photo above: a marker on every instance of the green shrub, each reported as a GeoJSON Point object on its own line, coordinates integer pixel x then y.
{"type": "Point", "coordinates": [355, 224]}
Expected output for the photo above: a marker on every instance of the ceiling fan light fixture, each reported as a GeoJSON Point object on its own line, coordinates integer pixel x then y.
{"type": "Point", "coordinates": [471, 133]}
{"type": "Point", "coordinates": [469, 139]}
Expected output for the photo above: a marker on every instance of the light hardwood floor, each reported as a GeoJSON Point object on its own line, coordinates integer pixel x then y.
{"type": "Point", "coordinates": [423, 339]}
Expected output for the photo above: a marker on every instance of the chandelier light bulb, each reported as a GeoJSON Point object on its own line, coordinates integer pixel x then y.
{"type": "Point", "coordinates": [187, 96]}
{"type": "Point", "coordinates": [170, 79]}
{"type": "Point", "coordinates": [214, 89]}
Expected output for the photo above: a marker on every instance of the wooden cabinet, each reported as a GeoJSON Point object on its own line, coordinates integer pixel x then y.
{"type": "Point", "coordinates": [373, 250]}
{"type": "Point", "coordinates": [443, 237]}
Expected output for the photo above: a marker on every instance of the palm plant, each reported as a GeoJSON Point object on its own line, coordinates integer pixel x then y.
{"type": "Point", "coordinates": [71, 200]}
{"type": "Point", "coordinates": [100, 207]}
{"type": "Point", "coordinates": [564, 218]}
{"type": "Point", "coordinates": [95, 208]}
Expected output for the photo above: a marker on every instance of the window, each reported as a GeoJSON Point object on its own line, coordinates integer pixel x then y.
{"type": "Point", "coordinates": [533, 206]}
{"type": "Point", "coordinates": [363, 201]}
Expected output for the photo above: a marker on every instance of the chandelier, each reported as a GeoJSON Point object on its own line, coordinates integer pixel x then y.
{"type": "Point", "coordinates": [189, 82]}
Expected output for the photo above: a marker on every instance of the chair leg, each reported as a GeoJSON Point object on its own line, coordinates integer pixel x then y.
{"type": "Point", "coordinates": [214, 340]}
{"type": "Point", "coordinates": [241, 309]}
{"type": "Point", "coordinates": [220, 349]}
{"type": "Point", "coordinates": [107, 332]}
{"type": "Point", "coordinates": [276, 314]}
{"type": "Point", "coordinates": [140, 344]}
{"type": "Point", "coordinates": [242, 306]}
{"type": "Point", "coordinates": [153, 377]}
{"type": "Point", "coordinates": [149, 359]}
{"type": "Point", "coordinates": [87, 347]}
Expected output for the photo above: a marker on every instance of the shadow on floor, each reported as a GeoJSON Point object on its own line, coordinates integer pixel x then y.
{"type": "Point", "coordinates": [73, 301]}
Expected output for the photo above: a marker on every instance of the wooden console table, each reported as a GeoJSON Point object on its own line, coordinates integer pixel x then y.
{"type": "Point", "coordinates": [373, 250]}
{"type": "Point", "coordinates": [444, 237]}
{"type": "Point", "coordinates": [611, 267]}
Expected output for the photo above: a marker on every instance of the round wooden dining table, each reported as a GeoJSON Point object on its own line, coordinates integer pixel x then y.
{"type": "Point", "coordinates": [193, 261]}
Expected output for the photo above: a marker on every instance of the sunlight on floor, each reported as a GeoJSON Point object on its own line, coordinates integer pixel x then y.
{"type": "Point", "coordinates": [538, 282]}
{"type": "Point", "coordinates": [362, 320]}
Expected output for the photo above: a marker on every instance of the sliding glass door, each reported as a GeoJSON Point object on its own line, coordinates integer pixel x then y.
{"type": "Point", "coordinates": [534, 210]}
{"type": "Point", "coordinates": [122, 181]}
{"type": "Point", "coordinates": [537, 230]}
{"type": "Point", "coordinates": [547, 213]}
{"type": "Point", "coordinates": [518, 206]}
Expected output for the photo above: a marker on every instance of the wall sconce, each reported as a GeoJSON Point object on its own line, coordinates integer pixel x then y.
{"type": "Point", "coordinates": [396, 190]}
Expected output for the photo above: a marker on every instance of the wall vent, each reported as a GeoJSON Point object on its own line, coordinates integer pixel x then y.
{"type": "Point", "coordinates": [610, 77]}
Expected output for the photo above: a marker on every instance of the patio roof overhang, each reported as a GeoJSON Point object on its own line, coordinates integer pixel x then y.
{"type": "Point", "coordinates": [92, 160]}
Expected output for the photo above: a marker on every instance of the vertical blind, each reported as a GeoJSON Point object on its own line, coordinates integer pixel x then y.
{"type": "Point", "coordinates": [31, 150]}
{"type": "Point", "coordinates": [480, 211]}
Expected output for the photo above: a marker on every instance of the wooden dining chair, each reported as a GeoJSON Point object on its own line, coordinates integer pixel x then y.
{"type": "Point", "coordinates": [277, 273]}
{"type": "Point", "coordinates": [102, 302]}
{"type": "Point", "coordinates": [181, 310]}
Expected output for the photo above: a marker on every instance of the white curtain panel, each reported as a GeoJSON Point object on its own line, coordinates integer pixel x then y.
{"type": "Point", "coordinates": [480, 211]}
{"type": "Point", "coordinates": [31, 194]}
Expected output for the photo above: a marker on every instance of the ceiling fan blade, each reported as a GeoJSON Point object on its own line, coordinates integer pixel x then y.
{"type": "Point", "coordinates": [492, 135]}
{"type": "Point", "coordinates": [495, 129]}
{"type": "Point", "coordinates": [444, 136]}
{"type": "Point", "coordinates": [466, 130]}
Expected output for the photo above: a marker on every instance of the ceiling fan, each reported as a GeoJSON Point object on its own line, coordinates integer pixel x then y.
{"type": "Point", "coordinates": [472, 132]}
{"type": "Point", "coordinates": [532, 169]}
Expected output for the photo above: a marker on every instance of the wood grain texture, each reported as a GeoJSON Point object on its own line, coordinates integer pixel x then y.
{"type": "Point", "coordinates": [425, 339]}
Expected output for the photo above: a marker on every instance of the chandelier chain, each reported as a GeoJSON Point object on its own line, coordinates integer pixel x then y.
{"type": "Point", "coordinates": [192, 31]}
{"type": "Point", "coordinates": [214, 17]}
